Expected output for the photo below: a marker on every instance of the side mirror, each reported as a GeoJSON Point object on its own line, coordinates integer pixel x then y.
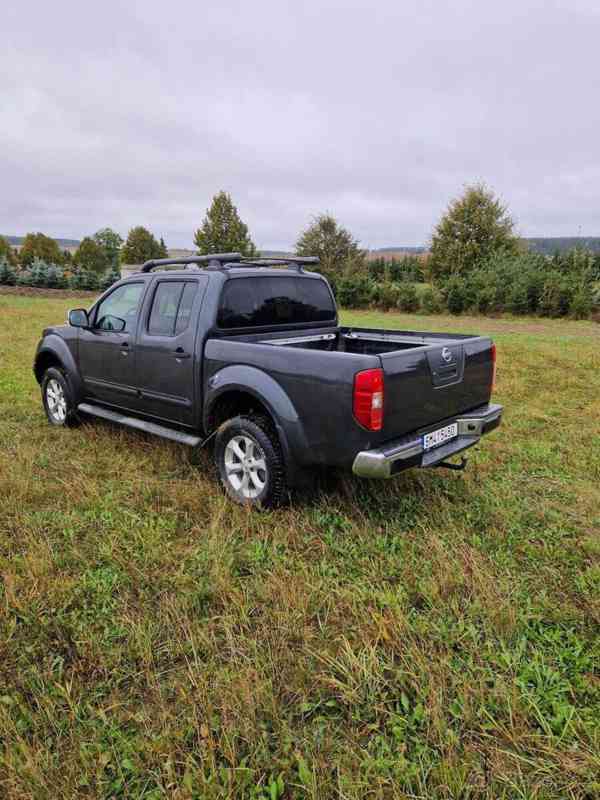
{"type": "Point", "coordinates": [78, 318]}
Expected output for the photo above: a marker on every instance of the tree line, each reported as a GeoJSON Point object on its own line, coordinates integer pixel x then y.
{"type": "Point", "coordinates": [476, 262]}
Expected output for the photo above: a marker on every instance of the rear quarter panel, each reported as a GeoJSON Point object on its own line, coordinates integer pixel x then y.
{"type": "Point", "coordinates": [319, 386]}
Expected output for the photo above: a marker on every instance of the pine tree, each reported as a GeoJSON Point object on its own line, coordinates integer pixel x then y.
{"type": "Point", "coordinates": [164, 253]}
{"type": "Point", "coordinates": [222, 230]}
{"type": "Point", "coordinates": [140, 246]}
{"type": "Point", "coordinates": [337, 249]}
{"type": "Point", "coordinates": [474, 227]}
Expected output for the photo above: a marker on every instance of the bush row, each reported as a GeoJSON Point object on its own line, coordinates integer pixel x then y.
{"type": "Point", "coordinates": [518, 284]}
{"type": "Point", "coordinates": [526, 284]}
{"type": "Point", "coordinates": [51, 276]}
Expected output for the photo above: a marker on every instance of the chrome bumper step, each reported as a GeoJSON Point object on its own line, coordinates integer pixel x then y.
{"type": "Point", "coordinates": [391, 458]}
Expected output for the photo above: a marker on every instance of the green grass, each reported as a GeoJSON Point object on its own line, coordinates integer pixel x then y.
{"type": "Point", "coordinates": [436, 636]}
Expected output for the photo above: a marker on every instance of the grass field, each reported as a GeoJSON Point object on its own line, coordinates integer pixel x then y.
{"type": "Point", "coordinates": [432, 637]}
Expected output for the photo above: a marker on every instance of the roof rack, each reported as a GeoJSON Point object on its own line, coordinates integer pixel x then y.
{"type": "Point", "coordinates": [231, 261]}
{"type": "Point", "coordinates": [296, 262]}
{"type": "Point", "coordinates": [213, 261]}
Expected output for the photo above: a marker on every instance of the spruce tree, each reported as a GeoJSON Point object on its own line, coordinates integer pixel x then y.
{"type": "Point", "coordinates": [39, 273]}
{"type": "Point", "coordinates": [474, 227]}
{"type": "Point", "coordinates": [222, 230]}
{"type": "Point", "coordinates": [8, 276]}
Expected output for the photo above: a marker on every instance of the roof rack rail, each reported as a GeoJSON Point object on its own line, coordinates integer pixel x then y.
{"type": "Point", "coordinates": [296, 262]}
{"type": "Point", "coordinates": [212, 260]}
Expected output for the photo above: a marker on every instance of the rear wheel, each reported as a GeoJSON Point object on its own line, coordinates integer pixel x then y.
{"type": "Point", "coordinates": [57, 398]}
{"type": "Point", "coordinates": [250, 462]}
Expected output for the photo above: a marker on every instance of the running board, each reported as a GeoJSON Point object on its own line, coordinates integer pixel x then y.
{"type": "Point", "coordinates": [140, 424]}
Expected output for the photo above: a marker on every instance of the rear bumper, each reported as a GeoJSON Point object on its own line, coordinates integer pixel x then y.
{"type": "Point", "coordinates": [395, 456]}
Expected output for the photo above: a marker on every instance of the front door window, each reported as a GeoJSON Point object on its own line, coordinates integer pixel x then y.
{"type": "Point", "coordinates": [121, 306]}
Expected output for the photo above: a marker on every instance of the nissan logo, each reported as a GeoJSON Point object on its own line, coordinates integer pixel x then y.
{"type": "Point", "coordinates": [447, 354]}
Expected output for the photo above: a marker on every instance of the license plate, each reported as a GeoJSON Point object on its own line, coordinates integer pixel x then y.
{"type": "Point", "coordinates": [441, 436]}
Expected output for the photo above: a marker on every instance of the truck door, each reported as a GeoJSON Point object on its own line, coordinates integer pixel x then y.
{"type": "Point", "coordinates": [167, 371]}
{"type": "Point", "coordinates": [107, 350]}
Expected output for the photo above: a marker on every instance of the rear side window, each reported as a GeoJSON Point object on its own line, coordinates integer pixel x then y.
{"type": "Point", "coordinates": [171, 308]}
{"type": "Point", "coordinates": [274, 300]}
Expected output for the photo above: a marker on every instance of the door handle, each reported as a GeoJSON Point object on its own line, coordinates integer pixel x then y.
{"type": "Point", "coordinates": [124, 348]}
{"type": "Point", "coordinates": [180, 353]}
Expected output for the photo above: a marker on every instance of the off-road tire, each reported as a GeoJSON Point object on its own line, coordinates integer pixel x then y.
{"type": "Point", "coordinates": [259, 430]}
{"type": "Point", "coordinates": [57, 398]}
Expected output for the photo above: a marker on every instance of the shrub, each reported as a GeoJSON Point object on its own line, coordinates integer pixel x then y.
{"type": "Point", "coordinates": [38, 273]}
{"type": "Point", "coordinates": [486, 298]}
{"type": "Point", "coordinates": [109, 277]}
{"type": "Point", "coordinates": [84, 279]}
{"type": "Point", "coordinates": [8, 276]}
{"type": "Point", "coordinates": [456, 295]}
{"type": "Point", "coordinates": [517, 301]}
{"type": "Point", "coordinates": [431, 301]}
{"type": "Point", "coordinates": [24, 278]}
{"type": "Point", "coordinates": [55, 278]}
{"type": "Point", "coordinates": [354, 291]}
{"type": "Point", "coordinates": [408, 300]}
{"type": "Point", "coordinates": [556, 296]}
{"type": "Point", "coordinates": [385, 295]}
{"type": "Point", "coordinates": [582, 303]}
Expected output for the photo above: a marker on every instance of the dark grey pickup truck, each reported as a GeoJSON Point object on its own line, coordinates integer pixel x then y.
{"type": "Point", "coordinates": [249, 354]}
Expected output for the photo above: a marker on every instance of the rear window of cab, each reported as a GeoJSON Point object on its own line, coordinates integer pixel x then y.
{"type": "Point", "coordinates": [274, 300]}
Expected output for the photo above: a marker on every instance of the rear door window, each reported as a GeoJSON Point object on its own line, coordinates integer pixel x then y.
{"type": "Point", "coordinates": [172, 307]}
{"type": "Point", "coordinates": [274, 300]}
{"type": "Point", "coordinates": [164, 308]}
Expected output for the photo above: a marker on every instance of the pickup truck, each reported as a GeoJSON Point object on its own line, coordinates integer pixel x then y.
{"type": "Point", "coordinates": [249, 354]}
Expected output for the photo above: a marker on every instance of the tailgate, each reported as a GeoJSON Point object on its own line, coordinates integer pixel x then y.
{"type": "Point", "coordinates": [427, 384]}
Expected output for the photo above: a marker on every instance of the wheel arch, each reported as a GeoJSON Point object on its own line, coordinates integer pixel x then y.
{"type": "Point", "coordinates": [54, 353]}
{"type": "Point", "coordinates": [242, 389]}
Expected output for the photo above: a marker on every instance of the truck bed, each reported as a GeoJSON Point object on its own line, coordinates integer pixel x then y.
{"type": "Point", "coordinates": [365, 341]}
{"type": "Point", "coordinates": [428, 378]}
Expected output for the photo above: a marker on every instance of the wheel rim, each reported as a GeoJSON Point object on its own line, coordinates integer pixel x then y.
{"type": "Point", "coordinates": [56, 401]}
{"type": "Point", "coordinates": [245, 466]}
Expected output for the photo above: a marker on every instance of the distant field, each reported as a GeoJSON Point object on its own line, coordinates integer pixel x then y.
{"type": "Point", "coordinates": [431, 637]}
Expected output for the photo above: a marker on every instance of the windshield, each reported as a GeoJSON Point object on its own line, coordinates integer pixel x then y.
{"type": "Point", "coordinates": [274, 300]}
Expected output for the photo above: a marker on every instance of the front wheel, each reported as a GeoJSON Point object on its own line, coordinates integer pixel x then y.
{"type": "Point", "coordinates": [250, 462]}
{"type": "Point", "coordinates": [57, 398]}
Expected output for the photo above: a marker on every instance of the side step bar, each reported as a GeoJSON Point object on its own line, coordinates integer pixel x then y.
{"type": "Point", "coordinates": [140, 424]}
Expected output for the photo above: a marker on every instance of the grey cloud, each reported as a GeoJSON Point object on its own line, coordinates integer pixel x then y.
{"type": "Point", "coordinates": [137, 113]}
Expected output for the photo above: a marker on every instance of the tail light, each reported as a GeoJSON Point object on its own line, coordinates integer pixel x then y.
{"type": "Point", "coordinates": [368, 398]}
{"type": "Point", "coordinates": [493, 386]}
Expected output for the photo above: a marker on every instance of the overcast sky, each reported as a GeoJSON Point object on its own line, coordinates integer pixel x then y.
{"type": "Point", "coordinates": [129, 113]}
